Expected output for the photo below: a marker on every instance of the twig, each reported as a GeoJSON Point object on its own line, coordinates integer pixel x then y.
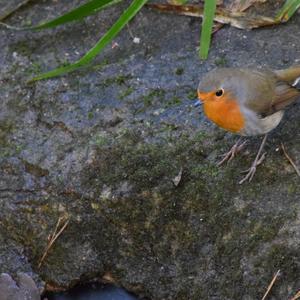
{"type": "Point", "coordinates": [271, 285]}
{"type": "Point", "coordinates": [52, 238]}
{"type": "Point", "coordinates": [290, 160]}
{"type": "Point", "coordinates": [10, 27]}
{"type": "Point", "coordinates": [297, 296]}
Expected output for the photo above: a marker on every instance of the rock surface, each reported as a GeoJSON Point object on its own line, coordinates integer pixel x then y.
{"type": "Point", "coordinates": [9, 7]}
{"type": "Point", "coordinates": [23, 288]}
{"type": "Point", "coordinates": [102, 146]}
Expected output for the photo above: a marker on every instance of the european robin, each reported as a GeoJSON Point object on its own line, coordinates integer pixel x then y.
{"type": "Point", "coordinates": [248, 102]}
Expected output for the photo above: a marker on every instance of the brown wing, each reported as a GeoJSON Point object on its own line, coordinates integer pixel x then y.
{"type": "Point", "coordinates": [259, 93]}
{"type": "Point", "coordinates": [274, 90]}
{"type": "Point", "coordinates": [285, 95]}
{"type": "Point", "coordinates": [285, 92]}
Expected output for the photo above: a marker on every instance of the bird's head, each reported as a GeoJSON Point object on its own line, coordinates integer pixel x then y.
{"type": "Point", "coordinates": [218, 85]}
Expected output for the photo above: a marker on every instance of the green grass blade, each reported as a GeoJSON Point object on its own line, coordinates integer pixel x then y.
{"type": "Point", "coordinates": [207, 23]}
{"type": "Point", "coordinates": [292, 9]}
{"type": "Point", "coordinates": [288, 9]}
{"type": "Point", "coordinates": [127, 15]}
{"type": "Point", "coordinates": [76, 14]}
{"type": "Point", "coordinates": [284, 8]}
{"type": "Point", "coordinates": [113, 2]}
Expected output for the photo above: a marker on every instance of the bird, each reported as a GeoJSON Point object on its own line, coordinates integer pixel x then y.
{"type": "Point", "coordinates": [248, 102]}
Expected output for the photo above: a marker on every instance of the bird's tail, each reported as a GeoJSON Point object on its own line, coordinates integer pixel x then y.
{"type": "Point", "coordinates": [290, 75]}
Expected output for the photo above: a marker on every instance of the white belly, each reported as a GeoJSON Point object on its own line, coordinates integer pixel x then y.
{"type": "Point", "coordinates": [255, 125]}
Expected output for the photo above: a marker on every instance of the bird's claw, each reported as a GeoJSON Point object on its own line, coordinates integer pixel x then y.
{"type": "Point", "coordinates": [235, 149]}
{"type": "Point", "coordinates": [251, 171]}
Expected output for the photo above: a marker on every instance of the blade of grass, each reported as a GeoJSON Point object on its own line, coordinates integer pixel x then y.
{"type": "Point", "coordinates": [207, 23]}
{"type": "Point", "coordinates": [293, 8]}
{"type": "Point", "coordinates": [127, 15]}
{"type": "Point", "coordinates": [76, 14]}
{"type": "Point", "coordinates": [284, 8]}
{"type": "Point", "coordinates": [288, 9]}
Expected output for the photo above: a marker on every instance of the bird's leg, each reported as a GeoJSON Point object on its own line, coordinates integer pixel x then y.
{"type": "Point", "coordinates": [257, 161]}
{"type": "Point", "coordinates": [235, 149]}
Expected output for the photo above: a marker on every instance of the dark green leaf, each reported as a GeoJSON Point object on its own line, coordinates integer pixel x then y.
{"type": "Point", "coordinates": [207, 23]}
{"type": "Point", "coordinates": [288, 9]}
{"type": "Point", "coordinates": [128, 14]}
{"type": "Point", "coordinates": [78, 13]}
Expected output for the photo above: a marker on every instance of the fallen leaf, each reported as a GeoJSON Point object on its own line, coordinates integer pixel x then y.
{"type": "Point", "coordinates": [239, 20]}
{"type": "Point", "coordinates": [242, 5]}
{"type": "Point", "coordinates": [177, 178]}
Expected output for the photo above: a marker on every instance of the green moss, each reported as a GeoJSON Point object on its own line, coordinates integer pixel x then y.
{"type": "Point", "coordinates": [200, 136]}
{"type": "Point", "coordinates": [168, 127]}
{"type": "Point", "coordinates": [221, 61]}
{"type": "Point", "coordinates": [65, 62]}
{"type": "Point", "coordinates": [22, 48]}
{"type": "Point", "coordinates": [126, 93]}
{"type": "Point", "coordinates": [173, 224]}
{"type": "Point", "coordinates": [90, 115]}
{"type": "Point", "coordinates": [292, 188]}
{"type": "Point", "coordinates": [179, 71]}
{"type": "Point", "coordinates": [6, 127]}
{"type": "Point", "coordinates": [144, 164]}
{"type": "Point", "coordinates": [186, 290]}
{"type": "Point", "coordinates": [5, 153]}
{"type": "Point", "coordinates": [173, 102]}
{"type": "Point", "coordinates": [34, 68]}
{"type": "Point", "coordinates": [192, 95]}
{"type": "Point", "coordinates": [9, 146]}
{"type": "Point", "coordinates": [100, 140]}
{"type": "Point", "coordinates": [282, 257]}
{"type": "Point", "coordinates": [35, 170]}
{"type": "Point", "coordinates": [263, 230]}
{"type": "Point", "coordinates": [101, 65]}
{"type": "Point", "coordinates": [18, 149]}
{"type": "Point", "coordinates": [205, 169]}
{"type": "Point", "coordinates": [152, 96]}
{"type": "Point", "coordinates": [119, 80]}
{"type": "Point", "coordinates": [147, 101]}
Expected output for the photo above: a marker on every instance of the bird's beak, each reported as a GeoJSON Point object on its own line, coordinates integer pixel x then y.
{"type": "Point", "coordinates": [197, 103]}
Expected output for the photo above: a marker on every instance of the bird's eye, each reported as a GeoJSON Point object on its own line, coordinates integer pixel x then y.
{"type": "Point", "coordinates": [219, 93]}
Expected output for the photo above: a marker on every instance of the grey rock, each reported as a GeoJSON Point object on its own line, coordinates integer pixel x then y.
{"type": "Point", "coordinates": [23, 288]}
{"type": "Point", "coordinates": [102, 146]}
{"type": "Point", "coordinates": [8, 7]}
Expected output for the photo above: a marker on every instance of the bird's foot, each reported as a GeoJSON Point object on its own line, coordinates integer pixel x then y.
{"type": "Point", "coordinates": [235, 149]}
{"type": "Point", "coordinates": [257, 161]}
{"type": "Point", "coordinates": [251, 171]}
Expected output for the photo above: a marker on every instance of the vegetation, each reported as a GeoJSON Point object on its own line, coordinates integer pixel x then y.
{"type": "Point", "coordinates": [94, 6]}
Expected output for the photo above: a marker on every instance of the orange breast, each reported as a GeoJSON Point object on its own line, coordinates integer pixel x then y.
{"type": "Point", "coordinates": [225, 113]}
